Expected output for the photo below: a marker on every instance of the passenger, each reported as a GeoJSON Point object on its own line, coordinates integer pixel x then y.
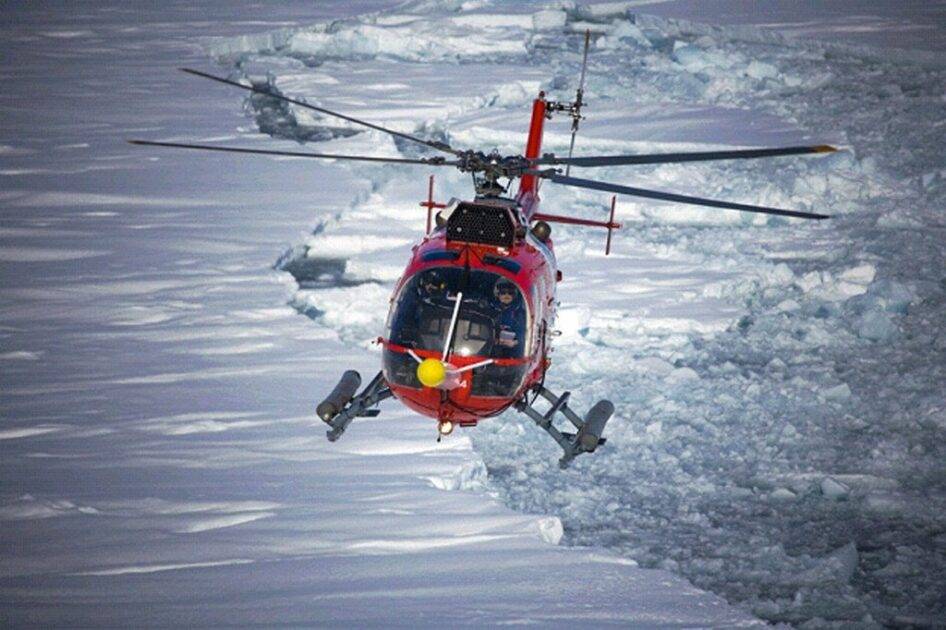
{"type": "Point", "coordinates": [510, 321]}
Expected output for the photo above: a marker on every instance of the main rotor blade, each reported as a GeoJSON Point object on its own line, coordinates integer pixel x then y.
{"type": "Point", "coordinates": [665, 196]}
{"type": "Point", "coordinates": [670, 158]}
{"type": "Point", "coordinates": [439, 146]}
{"type": "Point", "coordinates": [436, 161]}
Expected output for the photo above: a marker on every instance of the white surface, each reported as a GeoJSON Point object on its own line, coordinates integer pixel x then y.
{"type": "Point", "coordinates": [161, 462]}
{"type": "Point", "coordinates": [750, 358]}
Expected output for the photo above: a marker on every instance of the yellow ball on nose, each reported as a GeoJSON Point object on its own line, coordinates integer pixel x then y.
{"type": "Point", "coordinates": [431, 372]}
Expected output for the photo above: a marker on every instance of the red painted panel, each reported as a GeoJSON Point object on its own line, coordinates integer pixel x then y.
{"type": "Point", "coordinates": [529, 185]}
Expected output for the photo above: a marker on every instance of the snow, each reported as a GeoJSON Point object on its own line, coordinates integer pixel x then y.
{"type": "Point", "coordinates": [778, 434]}
{"type": "Point", "coordinates": [549, 19]}
{"type": "Point", "coordinates": [12, 434]}
{"type": "Point", "coordinates": [910, 24]}
{"type": "Point", "coordinates": [41, 254]}
{"type": "Point", "coordinates": [161, 463]}
{"type": "Point", "coordinates": [155, 568]}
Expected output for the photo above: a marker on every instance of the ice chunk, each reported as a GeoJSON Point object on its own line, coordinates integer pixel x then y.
{"type": "Point", "coordinates": [839, 393]}
{"type": "Point", "coordinates": [471, 476]}
{"type": "Point", "coordinates": [681, 375]}
{"type": "Point", "coordinates": [897, 568]}
{"type": "Point", "coordinates": [781, 495]}
{"type": "Point", "coordinates": [623, 32]}
{"type": "Point", "coordinates": [572, 320]}
{"type": "Point", "coordinates": [837, 567]}
{"type": "Point", "coordinates": [761, 70]}
{"type": "Point", "coordinates": [809, 281]}
{"type": "Point", "coordinates": [850, 283]}
{"type": "Point", "coordinates": [250, 43]}
{"type": "Point", "coordinates": [862, 274]}
{"type": "Point", "coordinates": [885, 503]}
{"type": "Point", "coordinates": [514, 93]}
{"type": "Point", "coordinates": [607, 9]}
{"type": "Point", "coordinates": [550, 529]}
{"type": "Point", "coordinates": [654, 365]}
{"type": "Point", "coordinates": [547, 20]}
{"type": "Point", "coordinates": [788, 306]}
{"type": "Point", "coordinates": [834, 490]}
{"type": "Point", "coordinates": [891, 296]}
{"type": "Point", "coordinates": [876, 326]}
{"type": "Point", "coordinates": [691, 58]}
{"type": "Point", "coordinates": [413, 42]}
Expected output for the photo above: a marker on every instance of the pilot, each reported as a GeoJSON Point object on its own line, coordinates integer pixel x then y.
{"type": "Point", "coordinates": [510, 321]}
{"type": "Point", "coordinates": [428, 290]}
{"type": "Point", "coordinates": [430, 298]}
{"type": "Point", "coordinates": [432, 287]}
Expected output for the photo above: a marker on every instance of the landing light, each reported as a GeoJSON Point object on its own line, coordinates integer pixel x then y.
{"type": "Point", "coordinates": [445, 427]}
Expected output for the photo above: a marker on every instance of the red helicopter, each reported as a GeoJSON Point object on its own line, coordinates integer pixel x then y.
{"type": "Point", "coordinates": [471, 319]}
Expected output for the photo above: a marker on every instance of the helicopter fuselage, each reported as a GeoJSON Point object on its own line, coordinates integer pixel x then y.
{"type": "Point", "coordinates": [519, 257]}
{"type": "Point", "coordinates": [488, 390]}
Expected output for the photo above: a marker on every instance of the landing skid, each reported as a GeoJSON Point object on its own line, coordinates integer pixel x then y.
{"type": "Point", "coordinates": [342, 405]}
{"type": "Point", "coordinates": [588, 435]}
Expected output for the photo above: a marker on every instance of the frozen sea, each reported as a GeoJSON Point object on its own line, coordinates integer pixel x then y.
{"type": "Point", "coordinates": [169, 320]}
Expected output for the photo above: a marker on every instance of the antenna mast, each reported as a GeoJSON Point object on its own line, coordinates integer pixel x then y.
{"type": "Point", "coordinates": [574, 109]}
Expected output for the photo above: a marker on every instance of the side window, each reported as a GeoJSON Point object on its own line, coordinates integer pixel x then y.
{"type": "Point", "coordinates": [537, 315]}
{"type": "Point", "coordinates": [399, 327]}
{"type": "Point", "coordinates": [393, 308]}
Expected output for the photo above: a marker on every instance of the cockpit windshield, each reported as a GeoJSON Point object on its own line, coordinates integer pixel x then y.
{"type": "Point", "coordinates": [491, 320]}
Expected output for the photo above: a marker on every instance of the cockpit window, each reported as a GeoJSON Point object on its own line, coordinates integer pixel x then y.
{"type": "Point", "coordinates": [492, 320]}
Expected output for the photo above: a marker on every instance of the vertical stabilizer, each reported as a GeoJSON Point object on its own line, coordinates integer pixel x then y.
{"type": "Point", "coordinates": [529, 184]}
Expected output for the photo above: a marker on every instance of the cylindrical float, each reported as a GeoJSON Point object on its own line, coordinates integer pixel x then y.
{"type": "Point", "coordinates": [340, 396]}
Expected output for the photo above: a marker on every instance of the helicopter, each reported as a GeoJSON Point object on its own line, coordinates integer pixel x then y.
{"type": "Point", "coordinates": [469, 330]}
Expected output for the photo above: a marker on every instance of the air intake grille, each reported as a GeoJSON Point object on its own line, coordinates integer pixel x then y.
{"type": "Point", "coordinates": [489, 225]}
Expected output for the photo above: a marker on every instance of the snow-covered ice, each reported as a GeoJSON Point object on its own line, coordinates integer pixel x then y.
{"type": "Point", "coordinates": [160, 463]}
{"type": "Point", "coordinates": [780, 414]}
